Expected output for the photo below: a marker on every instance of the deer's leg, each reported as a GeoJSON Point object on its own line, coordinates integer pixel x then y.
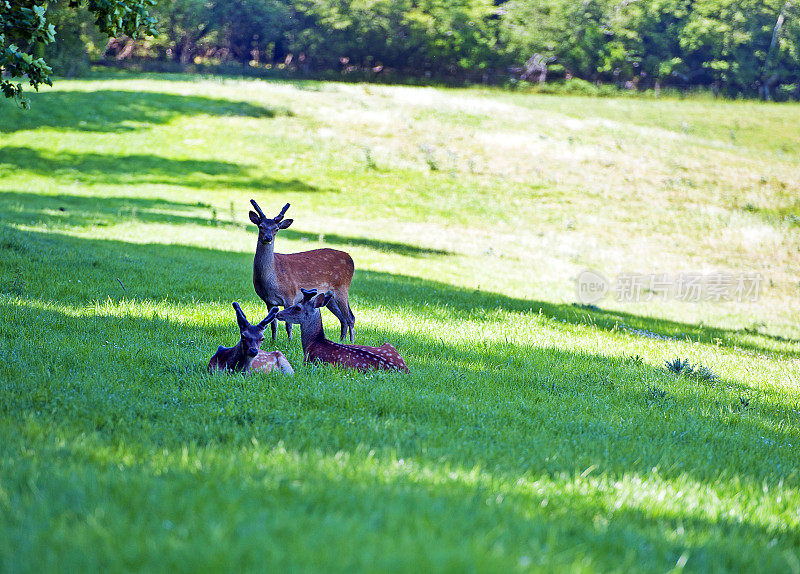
{"type": "Point", "coordinates": [351, 324]}
{"type": "Point", "coordinates": [289, 330]}
{"type": "Point", "coordinates": [336, 310]}
{"type": "Point", "coordinates": [344, 303]}
{"type": "Point", "coordinates": [273, 326]}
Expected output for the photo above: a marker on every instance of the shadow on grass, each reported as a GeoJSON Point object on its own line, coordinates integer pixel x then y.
{"type": "Point", "coordinates": [505, 407]}
{"type": "Point", "coordinates": [404, 249]}
{"type": "Point", "coordinates": [388, 290]}
{"type": "Point", "coordinates": [510, 410]}
{"type": "Point", "coordinates": [401, 521]}
{"type": "Point", "coordinates": [545, 412]}
{"type": "Point", "coordinates": [118, 111]}
{"type": "Point", "coordinates": [402, 292]}
{"type": "Point", "coordinates": [95, 168]}
{"type": "Point", "coordinates": [76, 210]}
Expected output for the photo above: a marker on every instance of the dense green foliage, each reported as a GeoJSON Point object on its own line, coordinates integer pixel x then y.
{"type": "Point", "coordinates": [749, 46]}
{"type": "Point", "coordinates": [733, 46]}
{"type": "Point", "coordinates": [532, 434]}
{"type": "Point", "coordinates": [740, 46]}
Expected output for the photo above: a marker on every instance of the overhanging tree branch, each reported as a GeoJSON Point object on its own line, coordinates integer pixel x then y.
{"type": "Point", "coordinates": [24, 26]}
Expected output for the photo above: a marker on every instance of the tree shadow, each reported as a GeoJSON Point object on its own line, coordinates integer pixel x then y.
{"type": "Point", "coordinates": [76, 210]}
{"type": "Point", "coordinates": [509, 409]}
{"type": "Point", "coordinates": [117, 111]}
{"type": "Point", "coordinates": [483, 523]}
{"type": "Point", "coordinates": [397, 248]}
{"type": "Point", "coordinates": [63, 210]}
{"type": "Point", "coordinates": [135, 169]}
{"type": "Point", "coordinates": [54, 211]}
{"type": "Point", "coordinates": [529, 421]}
{"type": "Point", "coordinates": [388, 290]}
{"type": "Point", "coordinates": [400, 291]}
{"type": "Point", "coordinates": [548, 410]}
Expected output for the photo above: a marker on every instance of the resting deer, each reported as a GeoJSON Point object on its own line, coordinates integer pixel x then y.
{"type": "Point", "coordinates": [246, 355]}
{"type": "Point", "coordinates": [317, 348]}
{"type": "Point", "coordinates": [278, 277]}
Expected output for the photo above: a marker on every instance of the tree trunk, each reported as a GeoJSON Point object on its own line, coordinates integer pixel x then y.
{"type": "Point", "coordinates": [771, 81]}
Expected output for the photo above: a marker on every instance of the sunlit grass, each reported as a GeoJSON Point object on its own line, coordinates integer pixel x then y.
{"type": "Point", "coordinates": [531, 433]}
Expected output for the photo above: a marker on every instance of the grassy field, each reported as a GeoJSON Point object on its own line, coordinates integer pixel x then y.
{"type": "Point", "coordinates": [533, 432]}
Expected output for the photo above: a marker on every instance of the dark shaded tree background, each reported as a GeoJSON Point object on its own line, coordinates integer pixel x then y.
{"type": "Point", "coordinates": [749, 47]}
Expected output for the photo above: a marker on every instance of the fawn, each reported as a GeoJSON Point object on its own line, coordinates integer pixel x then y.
{"type": "Point", "coordinates": [277, 277]}
{"type": "Point", "coordinates": [246, 355]}
{"type": "Point", "coordinates": [317, 348]}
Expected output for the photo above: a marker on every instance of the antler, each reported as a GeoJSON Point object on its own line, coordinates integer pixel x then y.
{"type": "Point", "coordinates": [281, 214]}
{"type": "Point", "coordinates": [258, 209]}
{"type": "Point", "coordinates": [269, 318]}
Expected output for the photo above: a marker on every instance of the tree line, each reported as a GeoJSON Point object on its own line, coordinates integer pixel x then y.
{"type": "Point", "coordinates": [748, 47]}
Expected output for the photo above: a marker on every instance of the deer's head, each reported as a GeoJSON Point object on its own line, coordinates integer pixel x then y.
{"type": "Point", "coordinates": [252, 335]}
{"type": "Point", "coordinates": [306, 307]}
{"type": "Point", "coordinates": [268, 227]}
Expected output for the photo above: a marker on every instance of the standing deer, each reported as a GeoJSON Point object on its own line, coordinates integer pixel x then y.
{"type": "Point", "coordinates": [317, 348]}
{"type": "Point", "coordinates": [278, 277]}
{"type": "Point", "coordinates": [246, 356]}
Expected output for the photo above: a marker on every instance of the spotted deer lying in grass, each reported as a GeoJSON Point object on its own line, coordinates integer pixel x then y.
{"type": "Point", "coordinates": [246, 355]}
{"type": "Point", "coordinates": [317, 348]}
{"type": "Point", "coordinates": [278, 277]}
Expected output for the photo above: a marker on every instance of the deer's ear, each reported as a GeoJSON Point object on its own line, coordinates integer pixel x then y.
{"type": "Point", "coordinates": [285, 223]}
{"type": "Point", "coordinates": [254, 217]}
{"type": "Point", "coordinates": [240, 318]}
{"type": "Point", "coordinates": [321, 300]}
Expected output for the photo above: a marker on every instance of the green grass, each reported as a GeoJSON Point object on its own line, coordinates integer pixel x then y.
{"type": "Point", "coordinates": [531, 434]}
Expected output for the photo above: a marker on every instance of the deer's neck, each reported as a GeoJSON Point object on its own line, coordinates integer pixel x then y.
{"type": "Point", "coordinates": [312, 333]}
{"type": "Point", "coordinates": [264, 261]}
{"type": "Point", "coordinates": [241, 359]}
{"type": "Point", "coordinates": [265, 279]}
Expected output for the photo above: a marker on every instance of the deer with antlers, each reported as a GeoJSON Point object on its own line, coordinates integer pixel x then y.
{"type": "Point", "coordinates": [317, 348]}
{"type": "Point", "coordinates": [246, 355]}
{"type": "Point", "coordinates": [278, 277]}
